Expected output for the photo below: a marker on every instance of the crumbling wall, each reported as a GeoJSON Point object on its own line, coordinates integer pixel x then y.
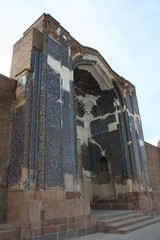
{"type": "Point", "coordinates": [98, 131]}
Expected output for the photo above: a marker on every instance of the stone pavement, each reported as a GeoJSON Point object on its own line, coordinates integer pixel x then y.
{"type": "Point", "coordinates": [151, 232]}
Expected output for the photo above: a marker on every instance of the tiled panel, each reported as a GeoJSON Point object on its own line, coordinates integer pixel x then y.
{"type": "Point", "coordinates": [33, 160]}
{"type": "Point", "coordinates": [136, 149]}
{"type": "Point", "coordinates": [65, 58]}
{"type": "Point", "coordinates": [68, 134]}
{"type": "Point", "coordinates": [140, 138]}
{"type": "Point", "coordinates": [142, 151]}
{"type": "Point", "coordinates": [123, 143]}
{"type": "Point", "coordinates": [25, 160]}
{"type": "Point", "coordinates": [128, 102]}
{"type": "Point", "coordinates": [134, 102]}
{"type": "Point", "coordinates": [66, 142]}
{"type": "Point", "coordinates": [54, 49]}
{"type": "Point", "coordinates": [53, 131]}
{"type": "Point", "coordinates": [42, 121]}
{"type": "Point", "coordinates": [15, 163]}
{"type": "Point", "coordinates": [126, 174]}
{"type": "Point", "coordinates": [73, 137]}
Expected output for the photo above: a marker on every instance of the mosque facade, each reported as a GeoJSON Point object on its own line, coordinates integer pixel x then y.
{"type": "Point", "coordinates": [71, 137]}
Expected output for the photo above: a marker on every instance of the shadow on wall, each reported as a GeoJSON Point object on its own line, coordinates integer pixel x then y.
{"type": "Point", "coordinates": [3, 206]}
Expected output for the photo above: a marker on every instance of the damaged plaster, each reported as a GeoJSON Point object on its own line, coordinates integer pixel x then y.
{"type": "Point", "coordinates": [65, 73]}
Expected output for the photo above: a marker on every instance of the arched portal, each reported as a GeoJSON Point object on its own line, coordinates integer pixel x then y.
{"type": "Point", "coordinates": [101, 135]}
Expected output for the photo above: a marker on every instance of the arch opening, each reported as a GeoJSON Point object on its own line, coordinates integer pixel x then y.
{"type": "Point", "coordinates": [100, 152]}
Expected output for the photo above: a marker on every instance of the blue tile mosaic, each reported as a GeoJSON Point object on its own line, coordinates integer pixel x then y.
{"type": "Point", "coordinates": [142, 150]}
{"type": "Point", "coordinates": [134, 102]}
{"type": "Point", "coordinates": [66, 143]}
{"type": "Point", "coordinates": [54, 49]}
{"type": "Point", "coordinates": [124, 146]}
{"type": "Point", "coordinates": [65, 58]}
{"type": "Point", "coordinates": [139, 151]}
{"type": "Point", "coordinates": [53, 130]}
{"type": "Point", "coordinates": [73, 137]}
{"type": "Point", "coordinates": [33, 160]}
{"type": "Point", "coordinates": [128, 102]}
{"type": "Point", "coordinates": [25, 159]}
{"type": "Point", "coordinates": [42, 123]}
{"type": "Point", "coordinates": [136, 149]}
{"type": "Point", "coordinates": [68, 132]}
{"type": "Point", "coordinates": [14, 170]}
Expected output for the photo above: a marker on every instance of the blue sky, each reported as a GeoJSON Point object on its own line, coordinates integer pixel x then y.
{"type": "Point", "coordinates": [125, 32]}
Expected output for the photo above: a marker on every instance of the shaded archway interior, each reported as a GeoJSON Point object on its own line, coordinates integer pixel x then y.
{"type": "Point", "coordinates": [100, 152]}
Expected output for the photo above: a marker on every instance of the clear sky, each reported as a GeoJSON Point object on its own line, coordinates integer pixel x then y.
{"type": "Point", "coordinates": [125, 32]}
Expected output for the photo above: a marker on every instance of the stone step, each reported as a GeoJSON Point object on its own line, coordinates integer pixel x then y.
{"type": "Point", "coordinates": [128, 222]}
{"type": "Point", "coordinates": [102, 214]}
{"type": "Point", "coordinates": [9, 232]}
{"type": "Point", "coordinates": [113, 206]}
{"type": "Point", "coordinates": [120, 218]}
{"type": "Point", "coordinates": [115, 200]}
{"type": "Point", "coordinates": [109, 226]}
{"type": "Point", "coordinates": [136, 226]}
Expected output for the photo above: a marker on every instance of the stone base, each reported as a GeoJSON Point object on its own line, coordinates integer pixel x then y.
{"type": "Point", "coordinates": [145, 202]}
{"type": "Point", "coordinates": [42, 213]}
{"type": "Point", "coordinates": [9, 232]}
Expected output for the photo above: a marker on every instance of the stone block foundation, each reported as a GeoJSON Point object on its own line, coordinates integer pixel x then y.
{"type": "Point", "coordinates": [143, 201]}
{"type": "Point", "coordinates": [44, 214]}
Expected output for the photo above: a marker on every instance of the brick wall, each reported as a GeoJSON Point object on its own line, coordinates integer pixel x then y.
{"type": "Point", "coordinates": [153, 154]}
{"type": "Point", "coordinates": [7, 96]}
{"type": "Point", "coordinates": [22, 51]}
{"type": "Point", "coordinates": [51, 213]}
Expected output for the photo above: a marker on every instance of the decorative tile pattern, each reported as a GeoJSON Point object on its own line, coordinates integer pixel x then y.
{"type": "Point", "coordinates": [134, 102]}
{"type": "Point", "coordinates": [66, 141]}
{"type": "Point", "coordinates": [136, 149]}
{"type": "Point", "coordinates": [25, 160]}
{"type": "Point", "coordinates": [42, 133]}
{"type": "Point", "coordinates": [124, 145]}
{"type": "Point", "coordinates": [33, 161]}
{"type": "Point", "coordinates": [140, 137]}
{"type": "Point", "coordinates": [54, 49]}
{"type": "Point", "coordinates": [73, 137]}
{"type": "Point", "coordinates": [53, 130]}
{"type": "Point", "coordinates": [128, 102]}
{"type": "Point", "coordinates": [15, 163]}
{"type": "Point", "coordinates": [65, 58]}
